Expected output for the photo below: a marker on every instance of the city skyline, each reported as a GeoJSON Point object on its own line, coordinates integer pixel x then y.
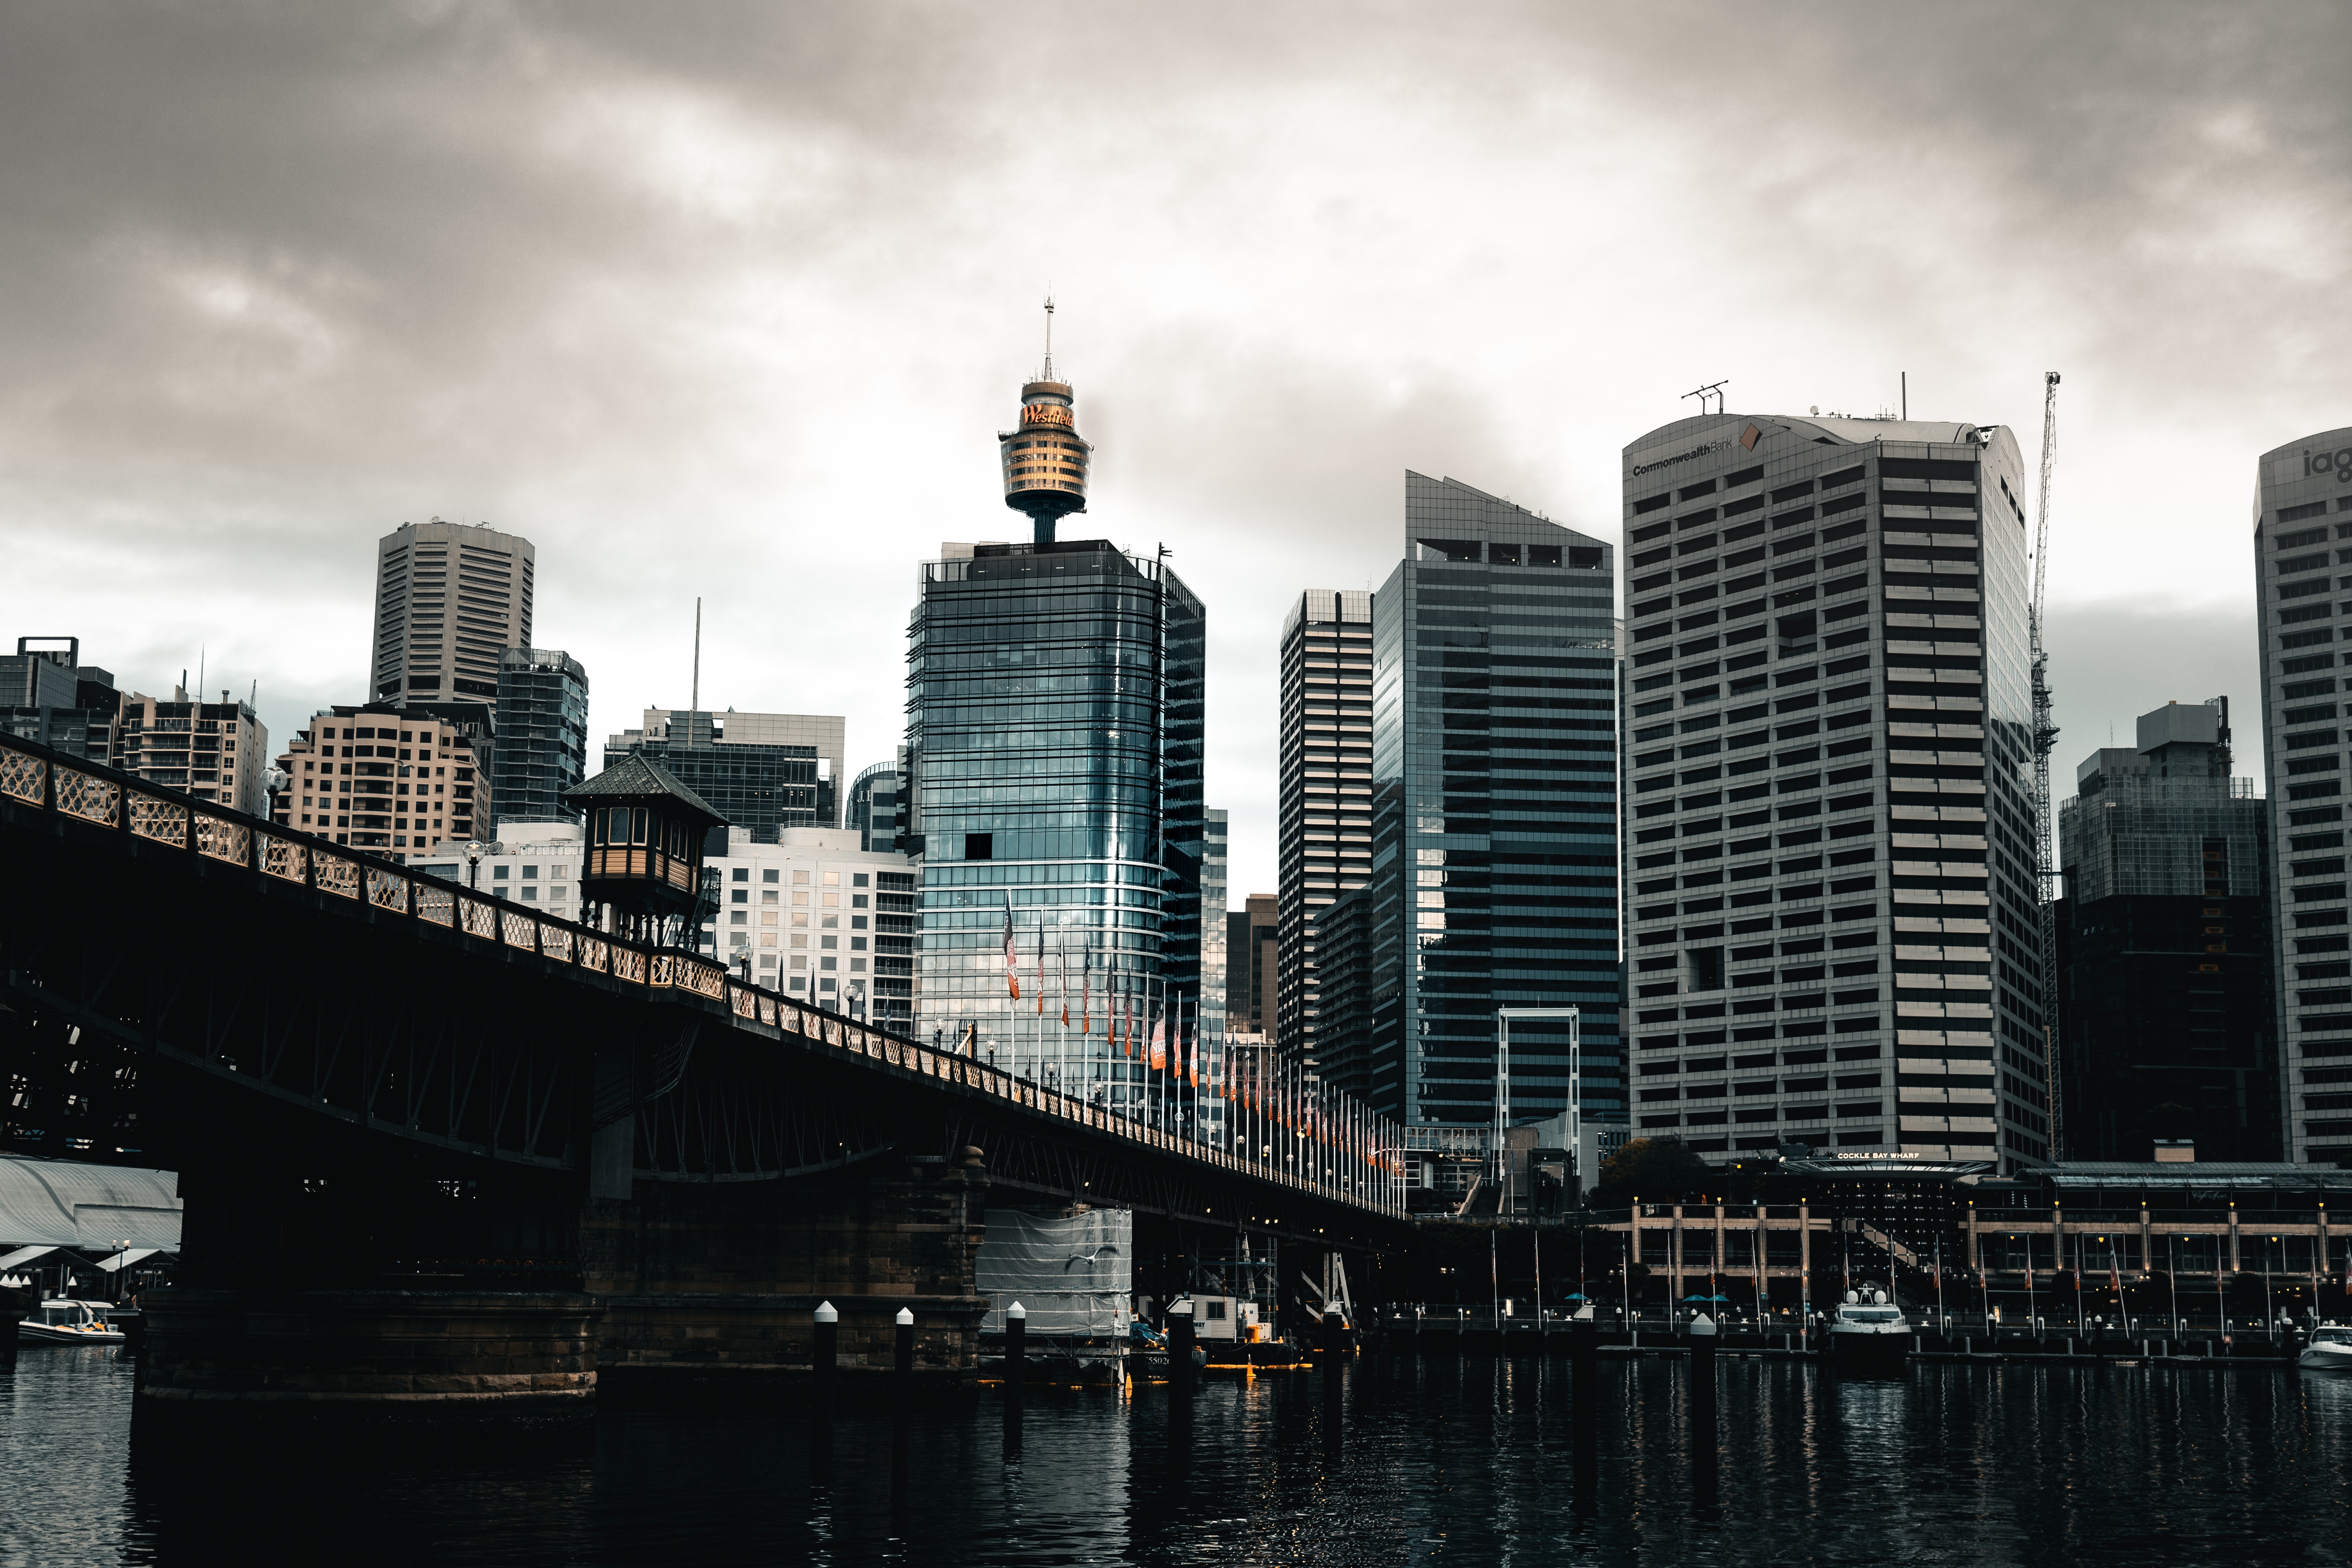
{"type": "Point", "coordinates": [223, 393]}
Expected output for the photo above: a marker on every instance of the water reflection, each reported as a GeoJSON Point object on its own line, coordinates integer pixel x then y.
{"type": "Point", "coordinates": [1389, 1461]}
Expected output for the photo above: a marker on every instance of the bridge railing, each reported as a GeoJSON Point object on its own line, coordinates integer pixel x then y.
{"type": "Point", "coordinates": [1285, 1132]}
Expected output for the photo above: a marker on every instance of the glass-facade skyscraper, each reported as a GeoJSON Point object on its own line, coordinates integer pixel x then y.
{"type": "Point", "coordinates": [542, 744]}
{"type": "Point", "coordinates": [1055, 700]}
{"type": "Point", "coordinates": [1493, 873]}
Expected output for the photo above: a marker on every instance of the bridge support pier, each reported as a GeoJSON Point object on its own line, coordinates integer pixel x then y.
{"type": "Point", "coordinates": [376, 1355]}
{"type": "Point", "coordinates": [710, 1288]}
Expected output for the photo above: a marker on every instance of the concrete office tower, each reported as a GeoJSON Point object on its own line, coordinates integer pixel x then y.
{"type": "Point", "coordinates": [1493, 873]}
{"type": "Point", "coordinates": [542, 744]}
{"type": "Point", "coordinates": [1253, 967]}
{"type": "Point", "coordinates": [1834, 924]}
{"type": "Point", "coordinates": [214, 751]}
{"type": "Point", "coordinates": [2303, 538]}
{"type": "Point", "coordinates": [1054, 709]}
{"type": "Point", "coordinates": [400, 782]}
{"type": "Point", "coordinates": [766, 772]}
{"type": "Point", "coordinates": [1217, 924]}
{"type": "Point", "coordinates": [819, 916]}
{"type": "Point", "coordinates": [1325, 813]}
{"type": "Point", "coordinates": [49, 695]}
{"type": "Point", "coordinates": [449, 599]}
{"type": "Point", "coordinates": [2164, 1013]}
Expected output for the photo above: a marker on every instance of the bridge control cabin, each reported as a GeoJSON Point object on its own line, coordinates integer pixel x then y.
{"type": "Point", "coordinates": [643, 873]}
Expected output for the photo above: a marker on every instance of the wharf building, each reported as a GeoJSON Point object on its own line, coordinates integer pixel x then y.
{"type": "Point", "coordinates": [1834, 920]}
{"type": "Point", "coordinates": [2303, 548]}
{"type": "Point", "coordinates": [49, 695]}
{"type": "Point", "coordinates": [2166, 1020]}
{"type": "Point", "coordinates": [1325, 810]}
{"type": "Point", "coordinates": [450, 598]}
{"type": "Point", "coordinates": [1493, 877]}
{"type": "Point", "coordinates": [542, 734]}
{"type": "Point", "coordinates": [1055, 702]}
{"type": "Point", "coordinates": [764, 772]}
{"type": "Point", "coordinates": [818, 915]}
{"type": "Point", "coordinates": [400, 782]}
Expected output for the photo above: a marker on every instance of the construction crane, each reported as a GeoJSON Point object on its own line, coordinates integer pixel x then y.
{"type": "Point", "coordinates": [2046, 736]}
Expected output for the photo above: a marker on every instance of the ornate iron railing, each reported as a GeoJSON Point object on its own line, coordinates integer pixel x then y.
{"type": "Point", "coordinates": [1304, 1137]}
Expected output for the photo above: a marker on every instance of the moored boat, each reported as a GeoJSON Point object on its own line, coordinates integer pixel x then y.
{"type": "Point", "coordinates": [2330, 1349]}
{"type": "Point", "coordinates": [64, 1323]}
{"type": "Point", "coordinates": [1869, 1333]}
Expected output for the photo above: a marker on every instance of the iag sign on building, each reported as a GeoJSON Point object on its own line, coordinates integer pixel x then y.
{"type": "Point", "coordinates": [2303, 538]}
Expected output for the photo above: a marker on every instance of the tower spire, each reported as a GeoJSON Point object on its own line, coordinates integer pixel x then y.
{"type": "Point", "coordinates": [1049, 340]}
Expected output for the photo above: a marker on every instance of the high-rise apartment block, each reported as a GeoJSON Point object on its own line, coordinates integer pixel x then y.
{"type": "Point", "coordinates": [1833, 915]}
{"type": "Point", "coordinates": [542, 734]}
{"type": "Point", "coordinates": [400, 782]}
{"type": "Point", "coordinates": [819, 915]}
{"type": "Point", "coordinates": [2303, 544]}
{"type": "Point", "coordinates": [764, 772]}
{"type": "Point", "coordinates": [1325, 813]}
{"type": "Point", "coordinates": [1493, 881]}
{"type": "Point", "coordinates": [449, 599]}
{"type": "Point", "coordinates": [2166, 1025]}
{"type": "Point", "coordinates": [214, 751]}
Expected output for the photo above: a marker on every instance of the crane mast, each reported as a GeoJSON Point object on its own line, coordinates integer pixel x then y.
{"type": "Point", "coordinates": [2046, 736]}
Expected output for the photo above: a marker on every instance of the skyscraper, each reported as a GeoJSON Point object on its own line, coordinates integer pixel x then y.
{"type": "Point", "coordinates": [1494, 874]}
{"type": "Point", "coordinates": [1252, 966]}
{"type": "Point", "coordinates": [1830, 731]}
{"type": "Point", "coordinates": [1325, 816]}
{"type": "Point", "coordinates": [2303, 522]}
{"type": "Point", "coordinates": [542, 734]}
{"type": "Point", "coordinates": [449, 599]}
{"type": "Point", "coordinates": [1055, 707]}
{"type": "Point", "coordinates": [2164, 966]}
{"type": "Point", "coordinates": [765, 772]}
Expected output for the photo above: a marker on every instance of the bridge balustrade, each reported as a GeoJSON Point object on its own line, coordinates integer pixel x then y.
{"type": "Point", "coordinates": [1360, 1166]}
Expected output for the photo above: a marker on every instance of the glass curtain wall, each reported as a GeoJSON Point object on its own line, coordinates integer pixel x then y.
{"type": "Point", "coordinates": [1496, 808]}
{"type": "Point", "coordinates": [1053, 738]}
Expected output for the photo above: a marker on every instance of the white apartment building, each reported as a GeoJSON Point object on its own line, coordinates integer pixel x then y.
{"type": "Point", "coordinates": [817, 916]}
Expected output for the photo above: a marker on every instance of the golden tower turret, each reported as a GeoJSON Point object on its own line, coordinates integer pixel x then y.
{"type": "Point", "coordinates": [1044, 462]}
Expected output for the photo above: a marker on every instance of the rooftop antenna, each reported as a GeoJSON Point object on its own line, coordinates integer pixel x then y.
{"type": "Point", "coordinates": [200, 672]}
{"type": "Point", "coordinates": [694, 693]}
{"type": "Point", "coordinates": [1906, 392]}
{"type": "Point", "coordinates": [1049, 339]}
{"type": "Point", "coordinates": [1713, 389]}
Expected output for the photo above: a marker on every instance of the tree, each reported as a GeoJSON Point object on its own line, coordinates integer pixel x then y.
{"type": "Point", "coordinates": [1663, 1169]}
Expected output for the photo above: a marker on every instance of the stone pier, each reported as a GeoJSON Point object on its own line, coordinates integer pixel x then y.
{"type": "Point", "coordinates": [710, 1287]}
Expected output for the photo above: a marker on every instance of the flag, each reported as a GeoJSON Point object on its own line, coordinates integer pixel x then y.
{"type": "Point", "coordinates": [1012, 957]}
{"type": "Point", "coordinates": [1087, 989]}
{"type": "Point", "coordinates": [1041, 966]}
{"type": "Point", "coordinates": [1063, 953]}
{"type": "Point", "coordinates": [1159, 1037]}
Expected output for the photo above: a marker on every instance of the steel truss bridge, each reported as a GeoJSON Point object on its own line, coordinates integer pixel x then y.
{"type": "Point", "coordinates": [354, 997]}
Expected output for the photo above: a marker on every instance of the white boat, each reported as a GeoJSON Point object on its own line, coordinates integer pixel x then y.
{"type": "Point", "coordinates": [1869, 1333]}
{"type": "Point", "coordinates": [2330, 1349]}
{"type": "Point", "coordinates": [64, 1323]}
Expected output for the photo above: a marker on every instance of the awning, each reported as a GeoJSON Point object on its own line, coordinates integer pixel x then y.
{"type": "Point", "coordinates": [24, 1255]}
{"type": "Point", "coordinates": [125, 1260]}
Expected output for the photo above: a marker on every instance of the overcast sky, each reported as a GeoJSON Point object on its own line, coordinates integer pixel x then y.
{"type": "Point", "coordinates": [731, 301]}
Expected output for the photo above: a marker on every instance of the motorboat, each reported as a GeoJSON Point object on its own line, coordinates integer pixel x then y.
{"type": "Point", "coordinates": [63, 1322]}
{"type": "Point", "coordinates": [2330, 1349]}
{"type": "Point", "coordinates": [1869, 1333]}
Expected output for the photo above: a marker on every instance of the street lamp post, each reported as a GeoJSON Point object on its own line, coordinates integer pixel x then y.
{"type": "Point", "coordinates": [474, 848]}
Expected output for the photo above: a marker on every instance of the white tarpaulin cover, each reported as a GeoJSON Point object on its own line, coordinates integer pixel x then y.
{"type": "Point", "coordinates": [1072, 1273]}
{"type": "Point", "coordinates": [93, 1209]}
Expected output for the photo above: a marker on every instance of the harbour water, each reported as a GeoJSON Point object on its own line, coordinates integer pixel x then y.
{"type": "Point", "coordinates": [1455, 1460]}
